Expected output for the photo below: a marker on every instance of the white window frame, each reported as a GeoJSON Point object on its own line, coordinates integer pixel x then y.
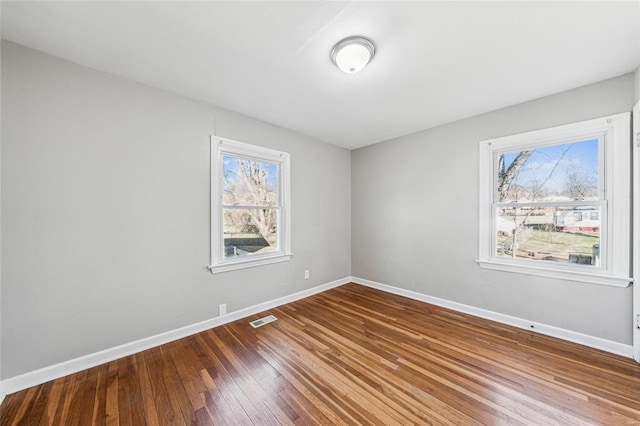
{"type": "Point", "coordinates": [615, 150]}
{"type": "Point", "coordinates": [219, 148]}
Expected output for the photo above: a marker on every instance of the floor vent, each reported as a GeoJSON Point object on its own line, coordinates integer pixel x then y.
{"type": "Point", "coordinates": [262, 321]}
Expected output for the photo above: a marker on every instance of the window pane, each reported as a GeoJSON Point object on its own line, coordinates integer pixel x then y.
{"type": "Point", "coordinates": [556, 234]}
{"type": "Point", "coordinates": [250, 231]}
{"type": "Point", "coordinates": [548, 174]}
{"type": "Point", "coordinates": [249, 182]}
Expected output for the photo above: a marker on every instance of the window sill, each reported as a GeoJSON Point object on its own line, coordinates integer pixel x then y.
{"type": "Point", "coordinates": [248, 263]}
{"type": "Point", "coordinates": [585, 277]}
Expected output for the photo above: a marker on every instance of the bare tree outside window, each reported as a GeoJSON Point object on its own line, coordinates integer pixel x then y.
{"type": "Point", "coordinates": [250, 201]}
{"type": "Point", "coordinates": [580, 184]}
{"type": "Point", "coordinates": [537, 216]}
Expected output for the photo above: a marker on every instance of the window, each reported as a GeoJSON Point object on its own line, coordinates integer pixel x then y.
{"type": "Point", "coordinates": [555, 202]}
{"type": "Point", "coordinates": [249, 206]}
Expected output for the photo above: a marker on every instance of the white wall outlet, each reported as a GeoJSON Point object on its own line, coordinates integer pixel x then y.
{"type": "Point", "coordinates": [222, 309]}
{"type": "Point", "coordinates": [306, 274]}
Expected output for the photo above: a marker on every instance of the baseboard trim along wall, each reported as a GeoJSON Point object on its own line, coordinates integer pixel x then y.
{"type": "Point", "coordinates": [43, 375]}
{"type": "Point", "coordinates": [549, 330]}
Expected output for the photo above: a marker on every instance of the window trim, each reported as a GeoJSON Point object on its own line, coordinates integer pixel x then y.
{"type": "Point", "coordinates": [615, 150]}
{"type": "Point", "coordinates": [219, 147]}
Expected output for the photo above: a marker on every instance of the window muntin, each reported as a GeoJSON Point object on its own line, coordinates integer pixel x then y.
{"type": "Point", "coordinates": [250, 206]}
{"type": "Point", "coordinates": [567, 210]}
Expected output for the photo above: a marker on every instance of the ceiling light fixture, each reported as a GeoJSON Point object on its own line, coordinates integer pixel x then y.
{"type": "Point", "coordinates": [352, 54]}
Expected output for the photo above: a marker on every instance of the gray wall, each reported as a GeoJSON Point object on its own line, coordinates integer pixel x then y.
{"type": "Point", "coordinates": [414, 213]}
{"type": "Point", "coordinates": [105, 213]}
{"type": "Point", "coordinates": [105, 196]}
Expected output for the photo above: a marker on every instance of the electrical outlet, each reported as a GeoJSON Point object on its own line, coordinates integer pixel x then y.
{"type": "Point", "coordinates": [306, 274]}
{"type": "Point", "coordinates": [222, 309]}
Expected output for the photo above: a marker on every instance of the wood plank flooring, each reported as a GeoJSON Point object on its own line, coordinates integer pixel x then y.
{"type": "Point", "coordinates": [351, 355]}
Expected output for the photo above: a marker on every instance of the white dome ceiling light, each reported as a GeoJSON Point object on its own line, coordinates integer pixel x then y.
{"type": "Point", "coordinates": [352, 54]}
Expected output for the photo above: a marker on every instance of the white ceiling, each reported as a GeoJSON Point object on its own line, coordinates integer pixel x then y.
{"type": "Point", "coordinates": [436, 62]}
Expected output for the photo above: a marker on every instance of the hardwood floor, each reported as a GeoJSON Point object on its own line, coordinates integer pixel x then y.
{"type": "Point", "coordinates": [351, 355]}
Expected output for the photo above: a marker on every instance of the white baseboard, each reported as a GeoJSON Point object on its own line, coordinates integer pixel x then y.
{"type": "Point", "coordinates": [43, 375]}
{"type": "Point", "coordinates": [549, 330]}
